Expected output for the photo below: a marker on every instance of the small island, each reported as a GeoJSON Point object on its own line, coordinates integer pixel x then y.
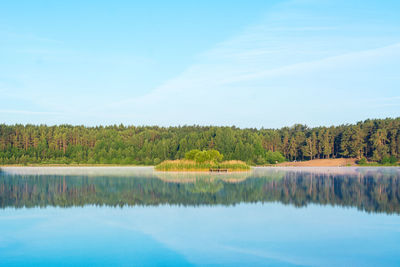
{"type": "Point", "coordinates": [203, 161]}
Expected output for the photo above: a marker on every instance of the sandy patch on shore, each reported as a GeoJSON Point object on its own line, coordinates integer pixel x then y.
{"type": "Point", "coordinates": [320, 163]}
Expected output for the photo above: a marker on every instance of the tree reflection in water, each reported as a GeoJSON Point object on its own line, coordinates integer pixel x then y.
{"type": "Point", "coordinates": [368, 189]}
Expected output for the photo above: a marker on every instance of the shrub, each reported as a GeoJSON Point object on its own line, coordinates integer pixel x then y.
{"type": "Point", "coordinates": [274, 157]}
{"type": "Point", "coordinates": [362, 161]}
{"type": "Point", "coordinates": [204, 156]}
{"type": "Point", "coordinates": [191, 154]}
{"type": "Point", "coordinates": [389, 160]}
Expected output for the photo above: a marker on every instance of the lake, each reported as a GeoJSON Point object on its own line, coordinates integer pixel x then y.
{"type": "Point", "coordinates": [134, 216]}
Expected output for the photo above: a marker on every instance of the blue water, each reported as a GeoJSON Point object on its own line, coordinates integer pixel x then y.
{"type": "Point", "coordinates": [241, 233]}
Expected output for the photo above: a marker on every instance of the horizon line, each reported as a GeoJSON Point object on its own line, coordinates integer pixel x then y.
{"type": "Point", "coordinates": [196, 125]}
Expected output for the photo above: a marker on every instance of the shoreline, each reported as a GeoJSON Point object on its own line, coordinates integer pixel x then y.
{"type": "Point", "coordinates": [192, 171]}
{"type": "Point", "coordinates": [338, 162]}
{"type": "Point", "coordinates": [72, 165]}
{"type": "Point", "coordinates": [202, 171]}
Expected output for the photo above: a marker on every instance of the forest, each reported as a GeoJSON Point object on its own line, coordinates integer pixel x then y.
{"type": "Point", "coordinates": [375, 140]}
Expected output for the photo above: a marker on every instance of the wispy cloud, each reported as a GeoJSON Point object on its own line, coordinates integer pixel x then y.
{"type": "Point", "coordinates": [264, 71]}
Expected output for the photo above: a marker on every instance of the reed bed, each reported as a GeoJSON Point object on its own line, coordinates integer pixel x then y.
{"type": "Point", "coordinates": [189, 165]}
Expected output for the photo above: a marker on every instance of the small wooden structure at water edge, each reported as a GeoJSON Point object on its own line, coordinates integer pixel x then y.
{"type": "Point", "coordinates": [218, 170]}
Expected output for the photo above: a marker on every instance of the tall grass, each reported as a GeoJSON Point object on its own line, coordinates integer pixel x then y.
{"type": "Point", "coordinates": [189, 165]}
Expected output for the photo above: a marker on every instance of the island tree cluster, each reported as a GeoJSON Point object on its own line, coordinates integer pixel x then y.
{"type": "Point", "coordinates": [204, 156]}
{"type": "Point", "coordinates": [20, 144]}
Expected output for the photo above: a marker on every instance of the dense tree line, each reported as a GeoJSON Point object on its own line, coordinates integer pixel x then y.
{"type": "Point", "coordinates": [372, 139]}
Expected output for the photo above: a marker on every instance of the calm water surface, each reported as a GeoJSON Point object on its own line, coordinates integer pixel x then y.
{"type": "Point", "coordinates": [138, 217]}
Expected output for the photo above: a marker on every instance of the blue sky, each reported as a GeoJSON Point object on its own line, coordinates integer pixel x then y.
{"type": "Point", "coordinates": [245, 63]}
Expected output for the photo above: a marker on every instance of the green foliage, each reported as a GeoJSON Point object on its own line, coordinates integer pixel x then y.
{"type": "Point", "coordinates": [204, 156]}
{"type": "Point", "coordinates": [201, 157]}
{"type": "Point", "coordinates": [118, 144]}
{"type": "Point", "coordinates": [386, 161]}
{"type": "Point", "coordinates": [274, 157]}
{"type": "Point", "coordinates": [389, 160]}
{"type": "Point", "coordinates": [214, 155]}
{"type": "Point", "coordinates": [362, 161]}
{"type": "Point", "coordinates": [192, 154]}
